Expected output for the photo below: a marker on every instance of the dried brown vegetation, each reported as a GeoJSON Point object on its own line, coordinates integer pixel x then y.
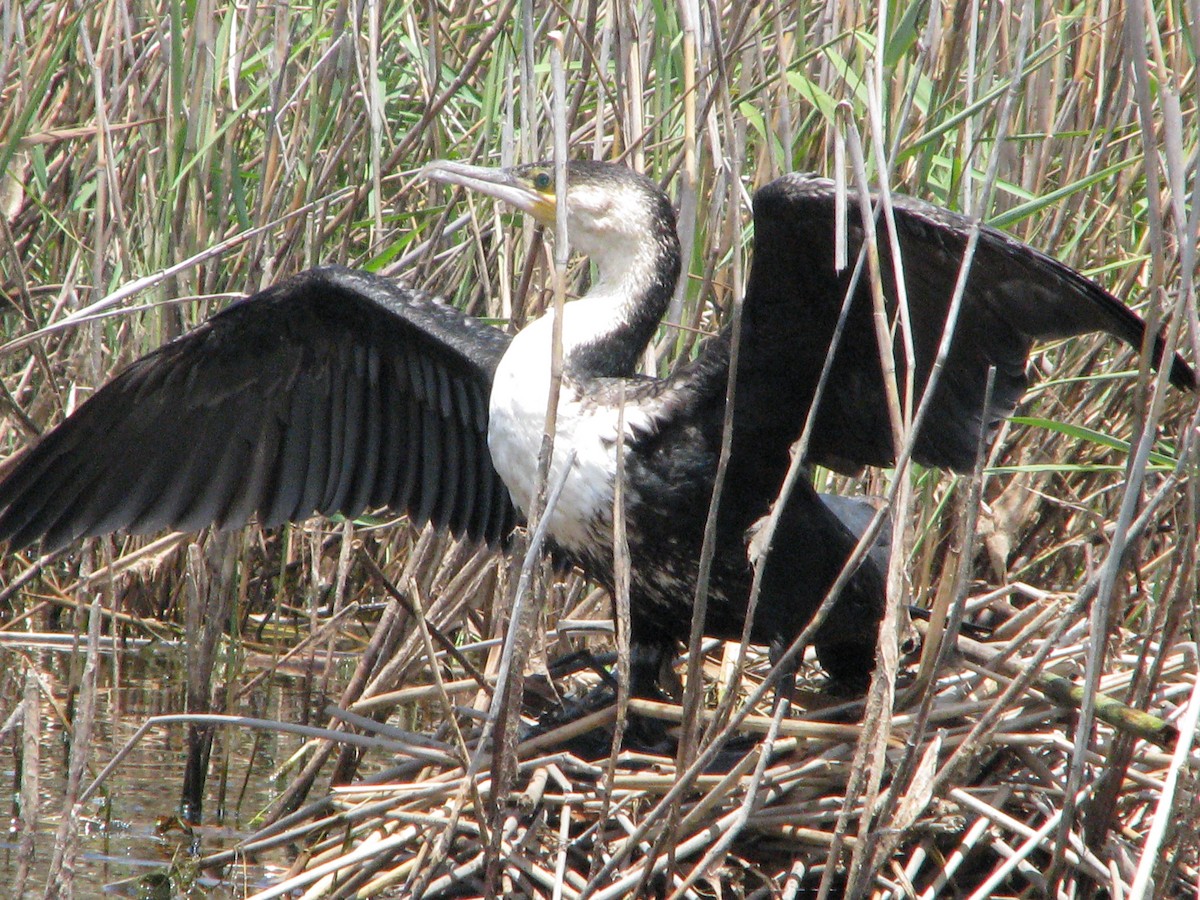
{"type": "Point", "coordinates": [159, 159]}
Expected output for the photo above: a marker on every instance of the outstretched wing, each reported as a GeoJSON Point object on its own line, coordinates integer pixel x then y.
{"type": "Point", "coordinates": [1014, 297]}
{"type": "Point", "coordinates": [333, 392]}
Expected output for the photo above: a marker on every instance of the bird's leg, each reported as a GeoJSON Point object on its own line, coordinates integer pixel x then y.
{"type": "Point", "coordinates": [648, 657]}
{"type": "Point", "coordinates": [785, 687]}
{"type": "Point", "coordinates": [647, 661]}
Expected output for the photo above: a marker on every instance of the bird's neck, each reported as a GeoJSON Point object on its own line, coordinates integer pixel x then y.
{"type": "Point", "coordinates": [606, 331]}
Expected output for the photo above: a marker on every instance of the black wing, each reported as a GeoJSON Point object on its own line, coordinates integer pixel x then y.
{"type": "Point", "coordinates": [333, 392]}
{"type": "Point", "coordinates": [1014, 296]}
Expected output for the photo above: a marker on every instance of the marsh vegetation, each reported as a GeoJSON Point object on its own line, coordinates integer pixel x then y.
{"type": "Point", "coordinates": [160, 160]}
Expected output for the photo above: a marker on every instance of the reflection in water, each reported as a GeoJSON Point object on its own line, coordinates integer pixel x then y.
{"type": "Point", "coordinates": [130, 829]}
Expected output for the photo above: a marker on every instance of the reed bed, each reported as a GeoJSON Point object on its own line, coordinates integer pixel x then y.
{"type": "Point", "coordinates": [764, 820]}
{"type": "Point", "coordinates": [158, 160]}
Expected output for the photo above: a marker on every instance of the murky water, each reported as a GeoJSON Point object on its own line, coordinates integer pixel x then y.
{"type": "Point", "coordinates": [131, 829]}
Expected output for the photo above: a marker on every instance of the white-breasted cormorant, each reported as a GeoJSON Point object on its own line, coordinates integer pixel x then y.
{"type": "Point", "coordinates": [338, 391]}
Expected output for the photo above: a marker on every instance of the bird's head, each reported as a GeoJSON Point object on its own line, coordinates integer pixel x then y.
{"type": "Point", "coordinates": [612, 211]}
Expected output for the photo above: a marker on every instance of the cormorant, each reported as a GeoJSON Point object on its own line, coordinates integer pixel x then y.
{"type": "Point", "coordinates": [338, 391]}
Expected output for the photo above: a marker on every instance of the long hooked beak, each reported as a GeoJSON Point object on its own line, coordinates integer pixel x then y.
{"type": "Point", "coordinates": [503, 184]}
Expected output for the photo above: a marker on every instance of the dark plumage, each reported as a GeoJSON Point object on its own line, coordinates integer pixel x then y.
{"type": "Point", "coordinates": [338, 391]}
{"type": "Point", "coordinates": [334, 391]}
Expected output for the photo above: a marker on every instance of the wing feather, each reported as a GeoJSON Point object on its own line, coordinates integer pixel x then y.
{"type": "Point", "coordinates": [432, 450]}
{"type": "Point", "coordinates": [1014, 297]}
{"type": "Point", "coordinates": [331, 392]}
{"type": "Point", "coordinates": [366, 468]}
{"type": "Point", "coordinates": [292, 467]}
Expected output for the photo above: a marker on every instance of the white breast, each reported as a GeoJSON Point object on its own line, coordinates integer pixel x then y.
{"type": "Point", "coordinates": [517, 413]}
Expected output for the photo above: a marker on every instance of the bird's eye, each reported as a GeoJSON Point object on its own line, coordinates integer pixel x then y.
{"type": "Point", "coordinates": [541, 181]}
